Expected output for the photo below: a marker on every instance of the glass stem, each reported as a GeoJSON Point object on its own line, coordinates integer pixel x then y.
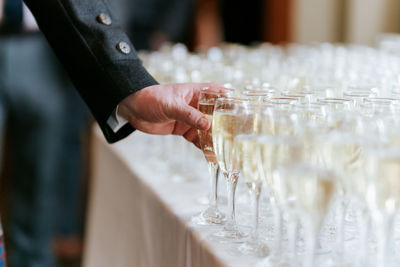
{"type": "Point", "coordinates": [231, 179]}
{"type": "Point", "coordinates": [292, 234]}
{"type": "Point", "coordinates": [385, 246]}
{"type": "Point", "coordinates": [278, 222]}
{"type": "Point", "coordinates": [390, 239]}
{"type": "Point", "coordinates": [214, 173]}
{"type": "Point", "coordinates": [311, 226]}
{"type": "Point", "coordinates": [362, 224]}
{"type": "Point", "coordinates": [255, 201]}
{"type": "Point", "coordinates": [340, 228]}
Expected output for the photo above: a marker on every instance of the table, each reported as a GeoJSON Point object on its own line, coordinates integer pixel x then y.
{"type": "Point", "coordinates": [139, 216]}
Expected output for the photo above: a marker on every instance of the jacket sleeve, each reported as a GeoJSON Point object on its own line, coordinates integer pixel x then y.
{"type": "Point", "coordinates": [91, 53]}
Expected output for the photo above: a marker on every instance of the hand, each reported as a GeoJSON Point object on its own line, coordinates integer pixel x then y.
{"type": "Point", "coordinates": [167, 109]}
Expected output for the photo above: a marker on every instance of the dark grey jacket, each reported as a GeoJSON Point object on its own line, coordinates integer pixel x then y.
{"type": "Point", "coordinates": [88, 49]}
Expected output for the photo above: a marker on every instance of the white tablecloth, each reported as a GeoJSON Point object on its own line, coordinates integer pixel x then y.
{"type": "Point", "coordinates": [138, 214]}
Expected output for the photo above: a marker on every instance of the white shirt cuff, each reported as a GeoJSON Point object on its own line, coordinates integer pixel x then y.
{"type": "Point", "coordinates": [115, 121]}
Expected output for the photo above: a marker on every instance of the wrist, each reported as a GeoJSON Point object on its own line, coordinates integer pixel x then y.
{"type": "Point", "coordinates": [125, 108]}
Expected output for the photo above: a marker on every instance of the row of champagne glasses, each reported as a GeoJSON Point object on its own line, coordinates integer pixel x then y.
{"type": "Point", "coordinates": [326, 68]}
{"type": "Point", "coordinates": [261, 138]}
{"type": "Point", "coordinates": [325, 114]}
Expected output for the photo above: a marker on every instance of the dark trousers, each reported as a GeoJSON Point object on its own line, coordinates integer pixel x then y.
{"type": "Point", "coordinates": [45, 117]}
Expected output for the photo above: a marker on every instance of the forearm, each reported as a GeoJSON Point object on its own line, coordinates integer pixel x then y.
{"type": "Point", "coordinates": [103, 73]}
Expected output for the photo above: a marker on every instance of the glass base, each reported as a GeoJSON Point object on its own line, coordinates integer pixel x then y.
{"type": "Point", "coordinates": [210, 216]}
{"type": "Point", "coordinates": [256, 248]}
{"type": "Point", "coordinates": [229, 235]}
{"type": "Point", "coordinates": [273, 262]}
{"type": "Point", "coordinates": [290, 261]}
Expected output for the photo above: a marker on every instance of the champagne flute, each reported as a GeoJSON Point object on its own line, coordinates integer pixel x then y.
{"type": "Point", "coordinates": [277, 151]}
{"type": "Point", "coordinates": [259, 94]}
{"type": "Point", "coordinates": [342, 150]}
{"type": "Point", "coordinates": [310, 190]}
{"type": "Point", "coordinates": [212, 215]}
{"type": "Point", "coordinates": [285, 101]}
{"type": "Point", "coordinates": [383, 198]}
{"type": "Point", "coordinates": [225, 120]}
{"type": "Point", "coordinates": [277, 147]}
{"type": "Point", "coordinates": [382, 100]}
{"type": "Point", "coordinates": [248, 162]}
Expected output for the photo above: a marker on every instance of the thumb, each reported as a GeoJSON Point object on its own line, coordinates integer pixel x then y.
{"type": "Point", "coordinates": [190, 116]}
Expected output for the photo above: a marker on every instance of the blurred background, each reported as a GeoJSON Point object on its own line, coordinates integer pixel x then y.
{"type": "Point", "coordinates": [45, 127]}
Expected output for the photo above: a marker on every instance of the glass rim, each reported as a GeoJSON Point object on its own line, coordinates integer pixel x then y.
{"type": "Point", "coordinates": [334, 100]}
{"type": "Point", "coordinates": [260, 93]}
{"type": "Point", "coordinates": [351, 93]}
{"type": "Point", "coordinates": [232, 99]}
{"type": "Point", "coordinates": [296, 94]}
{"type": "Point", "coordinates": [260, 89]}
{"type": "Point", "coordinates": [381, 100]}
{"type": "Point", "coordinates": [275, 100]}
{"type": "Point", "coordinates": [380, 104]}
{"type": "Point", "coordinates": [210, 91]}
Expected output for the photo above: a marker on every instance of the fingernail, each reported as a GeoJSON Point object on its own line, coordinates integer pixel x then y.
{"type": "Point", "coordinates": [202, 123]}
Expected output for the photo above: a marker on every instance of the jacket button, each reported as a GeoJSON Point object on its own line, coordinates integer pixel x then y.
{"type": "Point", "coordinates": [104, 19]}
{"type": "Point", "coordinates": [124, 48]}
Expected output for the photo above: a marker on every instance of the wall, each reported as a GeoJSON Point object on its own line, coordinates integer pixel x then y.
{"type": "Point", "coordinates": [350, 21]}
{"type": "Point", "coordinates": [316, 20]}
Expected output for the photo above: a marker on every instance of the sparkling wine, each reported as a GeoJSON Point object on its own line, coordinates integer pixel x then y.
{"type": "Point", "coordinates": [276, 152]}
{"type": "Point", "coordinates": [206, 142]}
{"type": "Point", "coordinates": [250, 118]}
{"type": "Point", "coordinates": [277, 123]}
{"type": "Point", "coordinates": [247, 156]}
{"type": "Point", "coordinates": [344, 153]}
{"type": "Point", "coordinates": [384, 183]}
{"type": "Point", "coordinates": [312, 189]}
{"type": "Point", "coordinates": [223, 133]}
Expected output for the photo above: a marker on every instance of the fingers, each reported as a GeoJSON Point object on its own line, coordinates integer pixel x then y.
{"type": "Point", "coordinates": [187, 113]}
{"type": "Point", "coordinates": [209, 87]}
{"type": "Point", "coordinates": [196, 88]}
{"type": "Point", "coordinates": [192, 136]}
{"type": "Point", "coordinates": [190, 116]}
